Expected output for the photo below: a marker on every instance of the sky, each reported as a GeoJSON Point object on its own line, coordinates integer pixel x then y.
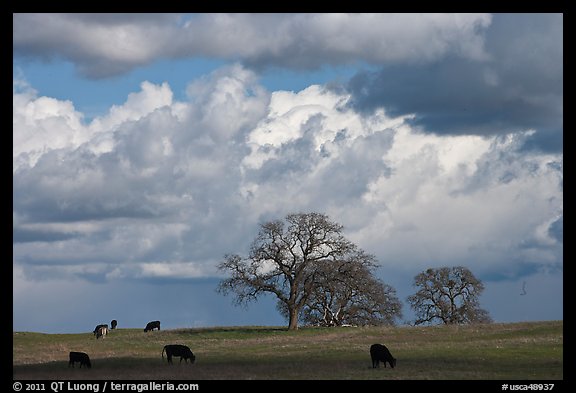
{"type": "Point", "coordinates": [148, 146]}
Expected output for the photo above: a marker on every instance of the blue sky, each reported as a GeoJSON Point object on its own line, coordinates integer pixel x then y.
{"type": "Point", "coordinates": [147, 146]}
{"type": "Point", "coordinates": [58, 79]}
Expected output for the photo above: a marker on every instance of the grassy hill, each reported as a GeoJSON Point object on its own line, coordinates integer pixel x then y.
{"type": "Point", "coordinates": [513, 351]}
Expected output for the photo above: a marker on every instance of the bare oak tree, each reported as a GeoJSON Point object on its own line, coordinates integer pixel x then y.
{"type": "Point", "coordinates": [348, 293]}
{"type": "Point", "coordinates": [284, 260]}
{"type": "Point", "coordinates": [448, 295]}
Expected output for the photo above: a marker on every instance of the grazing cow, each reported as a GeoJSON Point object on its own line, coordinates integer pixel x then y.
{"type": "Point", "coordinates": [102, 332]}
{"type": "Point", "coordinates": [98, 327]}
{"type": "Point", "coordinates": [181, 351]}
{"type": "Point", "coordinates": [79, 357]}
{"type": "Point", "coordinates": [113, 324]}
{"type": "Point", "coordinates": [379, 353]}
{"type": "Point", "coordinates": [152, 325]}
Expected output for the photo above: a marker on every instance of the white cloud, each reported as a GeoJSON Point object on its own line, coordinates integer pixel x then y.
{"type": "Point", "coordinates": [138, 105]}
{"type": "Point", "coordinates": [40, 124]}
{"type": "Point", "coordinates": [167, 165]}
{"type": "Point", "coordinates": [315, 113]}
{"type": "Point", "coordinates": [480, 210]}
{"type": "Point", "coordinates": [173, 270]}
{"type": "Point", "coordinates": [227, 101]}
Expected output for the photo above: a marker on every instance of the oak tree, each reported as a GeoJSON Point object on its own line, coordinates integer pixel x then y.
{"type": "Point", "coordinates": [348, 293]}
{"type": "Point", "coordinates": [288, 258]}
{"type": "Point", "coordinates": [448, 295]}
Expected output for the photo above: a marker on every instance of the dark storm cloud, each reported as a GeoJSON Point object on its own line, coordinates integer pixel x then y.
{"type": "Point", "coordinates": [518, 87]}
{"type": "Point", "coordinates": [100, 45]}
{"type": "Point", "coordinates": [105, 45]}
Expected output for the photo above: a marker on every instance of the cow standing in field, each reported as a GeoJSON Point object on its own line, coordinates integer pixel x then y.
{"type": "Point", "coordinates": [102, 332]}
{"type": "Point", "coordinates": [379, 353]}
{"type": "Point", "coordinates": [181, 351]}
{"type": "Point", "coordinates": [152, 325]}
{"type": "Point", "coordinates": [98, 327]}
{"type": "Point", "coordinates": [113, 324]}
{"type": "Point", "coordinates": [80, 357]}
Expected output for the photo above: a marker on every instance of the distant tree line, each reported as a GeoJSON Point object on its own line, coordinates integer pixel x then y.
{"type": "Point", "coordinates": [320, 278]}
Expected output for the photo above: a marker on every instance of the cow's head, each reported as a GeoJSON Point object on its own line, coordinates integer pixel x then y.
{"type": "Point", "coordinates": [393, 363]}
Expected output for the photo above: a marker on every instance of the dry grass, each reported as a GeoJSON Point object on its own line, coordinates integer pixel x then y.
{"type": "Point", "coordinates": [495, 351]}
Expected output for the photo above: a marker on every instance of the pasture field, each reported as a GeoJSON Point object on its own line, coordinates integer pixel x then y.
{"type": "Point", "coordinates": [499, 351]}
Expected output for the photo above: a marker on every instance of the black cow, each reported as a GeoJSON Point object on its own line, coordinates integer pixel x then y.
{"type": "Point", "coordinates": [379, 353]}
{"type": "Point", "coordinates": [79, 357]}
{"type": "Point", "coordinates": [105, 325]}
{"type": "Point", "coordinates": [152, 325]}
{"type": "Point", "coordinates": [113, 324]}
{"type": "Point", "coordinates": [181, 351]}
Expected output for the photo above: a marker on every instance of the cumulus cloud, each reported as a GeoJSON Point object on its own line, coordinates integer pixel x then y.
{"type": "Point", "coordinates": [151, 161]}
{"type": "Point", "coordinates": [467, 210]}
{"type": "Point", "coordinates": [103, 45]}
{"type": "Point", "coordinates": [158, 188]}
{"type": "Point", "coordinates": [42, 124]}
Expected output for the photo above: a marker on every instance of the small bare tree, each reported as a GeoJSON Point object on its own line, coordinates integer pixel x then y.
{"type": "Point", "coordinates": [448, 295]}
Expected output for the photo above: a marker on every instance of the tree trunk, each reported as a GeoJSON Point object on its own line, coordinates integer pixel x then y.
{"type": "Point", "coordinates": [293, 321]}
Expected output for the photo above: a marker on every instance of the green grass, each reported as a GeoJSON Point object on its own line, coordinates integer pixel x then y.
{"type": "Point", "coordinates": [515, 351]}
